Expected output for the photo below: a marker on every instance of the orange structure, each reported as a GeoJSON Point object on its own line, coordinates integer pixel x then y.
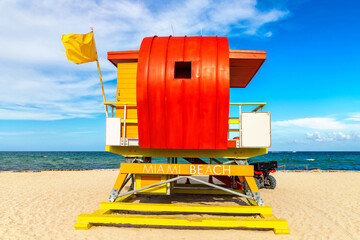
{"type": "Point", "coordinates": [181, 87]}
{"type": "Point", "coordinates": [172, 101]}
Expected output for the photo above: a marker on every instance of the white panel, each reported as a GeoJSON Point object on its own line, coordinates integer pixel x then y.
{"type": "Point", "coordinates": [113, 131]}
{"type": "Point", "coordinates": [256, 130]}
{"type": "Point", "coordinates": [133, 142]}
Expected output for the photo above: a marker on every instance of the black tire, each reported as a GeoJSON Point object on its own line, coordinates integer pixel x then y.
{"type": "Point", "coordinates": [270, 182]}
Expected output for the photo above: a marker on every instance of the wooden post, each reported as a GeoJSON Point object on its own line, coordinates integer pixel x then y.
{"type": "Point", "coordinates": [101, 82]}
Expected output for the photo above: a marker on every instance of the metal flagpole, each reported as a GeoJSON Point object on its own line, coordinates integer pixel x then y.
{"type": "Point", "coordinates": [101, 82]}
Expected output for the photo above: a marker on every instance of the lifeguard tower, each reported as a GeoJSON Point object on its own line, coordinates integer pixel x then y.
{"type": "Point", "coordinates": [172, 103]}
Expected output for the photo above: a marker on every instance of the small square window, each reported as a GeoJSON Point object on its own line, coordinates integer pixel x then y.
{"type": "Point", "coordinates": [182, 70]}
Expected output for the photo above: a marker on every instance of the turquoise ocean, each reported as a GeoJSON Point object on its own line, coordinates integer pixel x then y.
{"type": "Point", "coordinates": [18, 161]}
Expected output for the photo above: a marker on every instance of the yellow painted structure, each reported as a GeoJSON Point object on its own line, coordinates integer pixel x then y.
{"type": "Point", "coordinates": [104, 215]}
{"type": "Point", "coordinates": [240, 153]}
{"type": "Point", "coordinates": [142, 180]}
{"type": "Point", "coordinates": [187, 169]}
{"type": "Point", "coordinates": [156, 178]}
{"type": "Point", "coordinates": [126, 92]}
{"type": "Point", "coordinates": [161, 178]}
{"type": "Point", "coordinates": [147, 174]}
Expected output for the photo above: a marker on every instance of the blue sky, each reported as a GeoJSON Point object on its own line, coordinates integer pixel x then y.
{"type": "Point", "coordinates": [310, 80]}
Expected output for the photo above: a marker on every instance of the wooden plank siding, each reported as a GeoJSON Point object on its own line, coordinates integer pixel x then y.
{"type": "Point", "coordinates": [126, 92]}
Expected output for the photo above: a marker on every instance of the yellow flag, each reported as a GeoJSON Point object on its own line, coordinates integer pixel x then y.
{"type": "Point", "coordinates": [80, 48]}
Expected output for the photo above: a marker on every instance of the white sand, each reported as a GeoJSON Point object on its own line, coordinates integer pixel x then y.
{"type": "Point", "coordinates": [44, 205]}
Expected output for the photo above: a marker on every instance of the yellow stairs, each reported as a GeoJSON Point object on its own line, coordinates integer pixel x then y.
{"type": "Point", "coordinates": [265, 220]}
{"type": "Point", "coordinates": [116, 211]}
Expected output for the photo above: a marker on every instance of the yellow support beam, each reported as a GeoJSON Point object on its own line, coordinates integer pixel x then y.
{"type": "Point", "coordinates": [256, 103]}
{"type": "Point", "coordinates": [119, 180]}
{"type": "Point", "coordinates": [193, 208]}
{"type": "Point", "coordinates": [251, 182]}
{"type": "Point", "coordinates": [242, 153]}
{"type": "Point", "coordinates": [87, 225]}
{"type": "Point", "coordinates": [185, 169]}
{"type": "Point", "coordinates": [82, 226]}
{"type": "Point", "coordinates": [120, 103]}
{"type": "Point", "coordinates": [234, 121]}
{"type": "Point", "coordinates": [280, 226]}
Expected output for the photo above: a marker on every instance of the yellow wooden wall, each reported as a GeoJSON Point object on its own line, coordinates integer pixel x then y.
{"type": "Point", "coordinates": [126, 93]}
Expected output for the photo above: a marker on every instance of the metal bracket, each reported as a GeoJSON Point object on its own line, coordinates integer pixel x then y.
{"type": "Point", "coordinates": [113, 195]}
{"type": "Point", "coordinates": [256, 195]}
{"type": "Point", "coordinates": [229, 162]}
{"type": "Point", "coordinates": [258, 199]}
{"type": "Point", "coordinates": [246, 188]}
{"type": "Point", "coordinates": [133, 160]}
{"type": "Point", "coordinates": [241, 161]}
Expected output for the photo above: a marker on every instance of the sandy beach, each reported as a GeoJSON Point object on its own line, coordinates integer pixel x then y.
{"type": "Point", "coordinates": [44, 205]}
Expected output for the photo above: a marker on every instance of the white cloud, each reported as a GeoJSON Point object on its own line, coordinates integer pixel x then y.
{"type": "Point", "coordinates": [16, 133]}
{"type": "Point", "coordinates": [36, 80]}
{"type": "Point", "coordinates": [268, 34]}
{"type": "Point", "coordinates": [31, 95]}
{"type": "Point", "coordinates": [330, 136]}
{"type": "Point", "coordinates": [325, 123]}
{"type": "Point", "coordinates": [327, 130]}
{"type": "Point", "coordinates": [354, 117]}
